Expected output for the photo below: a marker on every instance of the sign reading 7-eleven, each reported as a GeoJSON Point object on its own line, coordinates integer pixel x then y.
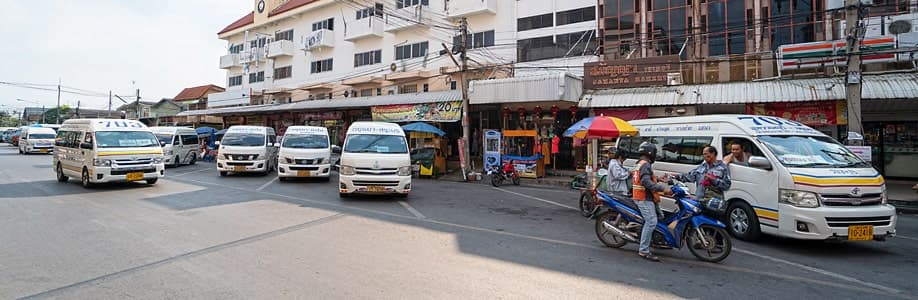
{"type": "Point", "coordinates": [832, 53]}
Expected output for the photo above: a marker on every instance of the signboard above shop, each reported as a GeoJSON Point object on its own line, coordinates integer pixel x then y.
{"type": "Point", "coordinates": [832, 53]}
{"type": "Point", "coordinates": [427, 112]}
{"type": "Point", "coordinates": [626, 73]}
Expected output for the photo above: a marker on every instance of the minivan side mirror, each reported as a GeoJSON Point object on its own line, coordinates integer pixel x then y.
{"type": "Point", "coordinates": [87, 146]}
{"type": "Point", "coordinates": [759, 162]}
{"type": "Point", "coordinates": [60, 143]}
{"type": "Point", "coordinates": [176, 142]}
{"type": "Point", "coordinates": [162, 144]}
{"type": "Point", "coordinates": [336, 149]}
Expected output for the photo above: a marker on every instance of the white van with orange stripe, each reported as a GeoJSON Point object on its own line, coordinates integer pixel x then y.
{"type": "Point", "coordinates": [107, 150]}
{"type": "Point", "coordinates": [796, 182]}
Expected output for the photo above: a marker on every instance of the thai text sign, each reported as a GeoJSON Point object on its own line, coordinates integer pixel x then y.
{"type": "Point", "coordinates": [813, 113]}
{"type": "Point", "coordinates": [428, 112]}
{"type": "Point", "coordinates": [629, 72]}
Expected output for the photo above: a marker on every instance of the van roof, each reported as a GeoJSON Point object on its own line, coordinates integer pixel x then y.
{"type": "Point", "coordinates": [306, 130]}
{"type": "Point", "coordinates": [382, 128]}
{"type": "Point", "coordinates": [106, 124]}
{"type": "Point", "coordinates": [750, 124]}
{"type": "Point", "coordinates": [247, 128]}
{"type": "Point", "coordinates": [168, 128]}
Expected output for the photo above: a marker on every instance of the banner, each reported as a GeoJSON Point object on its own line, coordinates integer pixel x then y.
{"type": "Point", "coordinates": [526, 166]}
{"type": "Point", "coordinates": [816, 113]}
{"type": "Point", "coordinates": [427, 112]}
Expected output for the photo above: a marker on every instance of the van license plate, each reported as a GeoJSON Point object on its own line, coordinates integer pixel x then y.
{"type": "Point", "coordinates": [134, 176]}
{"type": "Point", "coordinates": [239, 169]}
{"type": "Point", "coordinates": [43, 150]}
{"type": "Point", "coordinates": [860, 233]}
{"type": "Point", "coordinates": [376, 189]}
{"type": "Point", "coordinates": [303, 173]}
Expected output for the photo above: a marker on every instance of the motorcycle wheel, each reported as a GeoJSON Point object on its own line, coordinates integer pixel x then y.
{"type": "Point", "coordinates": [515, 179]}
{"type": "Point", "coordinates": [496, 179]}
{"type": "Point", "coordinates": [605, 236]}
{"type": "Point", "coordinates": [587, 204]}
{"type": "Point", "coordinates": [719, 246]}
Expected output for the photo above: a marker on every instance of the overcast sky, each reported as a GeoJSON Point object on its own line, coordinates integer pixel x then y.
{"type": "Point", "coordinates": [98, 45]}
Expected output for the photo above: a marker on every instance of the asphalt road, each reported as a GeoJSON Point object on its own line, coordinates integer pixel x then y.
{"type": "Point", "coordinates": [198, 235]}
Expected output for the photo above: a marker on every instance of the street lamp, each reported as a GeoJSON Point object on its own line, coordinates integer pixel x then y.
{"type": "Point", "coordinates": [33, 102]}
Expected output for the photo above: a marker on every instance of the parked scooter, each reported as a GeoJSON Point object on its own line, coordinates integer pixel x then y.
{"type": "Point", "coordinates": [508, 172]}
{"type": "Point", "coordinates": [705, 237]}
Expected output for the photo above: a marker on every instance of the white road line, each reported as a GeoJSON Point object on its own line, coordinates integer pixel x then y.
{"type": "Point", "coordinates": [263, 186]}
{"type": "Point", "coordinates": [820, 271]}
{"type": "Point", "coordinates": [192, 172]}
{"type": "Point", "coordinates": [411, 209]}
{"type": "Point", "coordinates": [905, 237]}
{"type": "Point", "coordinates": [536, 198]}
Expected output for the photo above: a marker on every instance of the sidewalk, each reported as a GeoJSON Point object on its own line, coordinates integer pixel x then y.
{"type": "Point", "coordinates": [902, 196]}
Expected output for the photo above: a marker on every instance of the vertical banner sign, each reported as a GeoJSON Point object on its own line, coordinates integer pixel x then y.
{"type": "Point", "coordinates": [491, 149]}
{"type": "Point", "coordinates": [462, 158]}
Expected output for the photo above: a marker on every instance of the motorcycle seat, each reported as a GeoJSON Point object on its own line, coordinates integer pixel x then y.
{"type": "Point", "coordinates": [627, 202]}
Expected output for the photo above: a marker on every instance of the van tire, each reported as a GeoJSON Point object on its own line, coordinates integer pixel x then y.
{"type": "Point", "coordinates": [743, 216]}
{"type": "Point", "coordinates": [194, 159]}
{"type": "Point", "coordinates": [177, 162]}
{"type": "Point", "coordinates": [152, 181]}
{"type": "Point", "coordinates": [60, 174]}
{"type": "Point", "coordinates": [85, 180]}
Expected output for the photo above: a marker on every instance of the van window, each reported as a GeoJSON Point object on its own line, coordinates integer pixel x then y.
{"type": "Point", "coordinates": [811, 152]}
{"type": "Point", "coordinates": [189, 139]}
{"type": "Point", "coordinates": [369, 143]}
{"type": "Point", "coordinates": [272, 138]}
{"type": "Point", "coordinates": [123, 139]}
{"type": "Point", "coordinates": [680, 150]}
{"type": "Point", "coordinates": [243, 139]}
{"type": "Point", "coordinates": [165, 138]}
{"type": "Point", "coordinates": [67, 137]}
{"type": "Point", "coordinates": [305, 141]}
{"type": "Point", "coordinates": [43, 136]}
{"type": "Point", "coordinates": [748, 146]}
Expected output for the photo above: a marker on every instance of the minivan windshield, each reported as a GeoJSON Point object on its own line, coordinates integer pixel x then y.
{"type": "Point", "coordinates": [41, 136]}
{"type": "Point", "coordinates": [164, 138]}
{"type": "Point", "coordinates": [369, 143]}
{"type": "Point", "coordinates": [243, 139]}
{"type": "Point", "coordinates": [305, 141]}
{"type": "Point", "coordinates": [125, 139]}
{"type": "Point", "coordinates": [812, 152]}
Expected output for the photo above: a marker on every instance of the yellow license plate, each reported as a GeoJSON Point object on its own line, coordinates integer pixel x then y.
{"type": "Point", "coordinates": [376, 189]}
{"type": "Point", "coordinates": [303, 173]}
{"type": "Point", "coordinates": [239, 169]}
{"type": "Point", "coordinates": [860, 233]}
{"type": "Point", "coordinates": [43, 150]}
{"type": "Point", "coordinates": [134, 176]}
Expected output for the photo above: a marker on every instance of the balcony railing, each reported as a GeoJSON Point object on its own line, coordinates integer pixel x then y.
{"type": "Point", "coordinates": [365, 28]}
{"type": "Point", "coordinates": [471, 7]}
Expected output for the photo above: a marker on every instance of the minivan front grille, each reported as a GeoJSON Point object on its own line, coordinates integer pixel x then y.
{"type": "Point", "coordinates": [850, 221]}
{"type": "Point", "coordinates": [240, 156]}
{"type": "Point", "coordinates": [848, 200]}
{"type": "Point", "coordinates": [375, 182]}
{"type": "Point", "coordinates": [376, 172]}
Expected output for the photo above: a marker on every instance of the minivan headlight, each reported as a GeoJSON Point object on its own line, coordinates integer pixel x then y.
{"type": "Point", "coordinates": [798, 198]}
{"type": "Point", "coordinates": [102, 162]}
{"type": "Point", "coordinates": [883, 197]}
{"type": "Point", "coordinates": [289, 160]}
{"type": "Point", "coordinates": [157, 160]}
{"type": "Point", "coordinates": [346, 170]}
{"type": "Point", "coordinates": [404, 171]}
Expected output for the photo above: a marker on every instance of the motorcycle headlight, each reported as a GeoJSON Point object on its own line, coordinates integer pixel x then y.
{"type": "Point", "coordinates": [102, 162]}
{"type": "Point", "coordinates": [346, 170]}
{"type": "Point", "coordinates": [404, 171]}
{"type": "Point", "coordinates": [157, 160]}
{"type": "Point", "coordinates": [799, 198]}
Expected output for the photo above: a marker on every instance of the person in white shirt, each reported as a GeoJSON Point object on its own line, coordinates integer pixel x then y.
{"type": "Point", "coordinates": [617, 179]}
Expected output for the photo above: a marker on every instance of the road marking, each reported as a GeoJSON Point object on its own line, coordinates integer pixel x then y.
{"type": "Point", "coordinates": [411, 209]}
{"type": "Point", "coordinates": [192, 172]}
{"type": "Point", "coordinates": [536, 198]}
{"type": "Point", "coordinates": [906, 237]}
{"type": "Point", "coordinates": [820, 271]}
{"type": "Point", "coordinates": [263, 186]}
{"type": "Point", "coordinates": [873, 287]}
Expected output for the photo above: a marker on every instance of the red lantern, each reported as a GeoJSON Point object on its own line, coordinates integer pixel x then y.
{"type": "Point", "coordinates": [537, 111]}
{"type": "Point", "coordinates": [522, 112]}
{"type": "Point", "coordinates": [554, 111]}
{"type": "Point", "coordinates": [506, 112]}
{"type": "Point", "coordinates": [573, 110]}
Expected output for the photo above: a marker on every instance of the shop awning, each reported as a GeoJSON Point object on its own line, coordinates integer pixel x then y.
{"type": "Point", "coordinates": [355, 102]}
{"type": "Point", "coordinates": [231, 98]}
{"type": "Point", "coordinates": [554, 86]}
{"type": "Point", "coordinates": [885, 86]}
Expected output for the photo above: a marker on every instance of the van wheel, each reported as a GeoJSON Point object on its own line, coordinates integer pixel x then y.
{"type": "Point", "coordinates": [60, 174]}
{"type": "Point", "coordinates": [223, 173]}
{"type": "Point", "coordinates": [194, 159]}
{"type": "Point", "coordinates": [152, 180]}
{"type": "Point", "coordinates": [177, 162]}
{"type": "Point", "coordinates": [84, 179]}
{"type": "Point", "coordinates": [742, 221]}
{"type": "Point", "coordinates": [20, 151]}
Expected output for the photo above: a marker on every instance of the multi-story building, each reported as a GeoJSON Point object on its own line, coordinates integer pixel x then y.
{"type": "Point", "coordinates": [361, 59]}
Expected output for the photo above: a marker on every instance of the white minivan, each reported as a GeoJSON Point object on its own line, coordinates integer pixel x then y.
{"type": "Point", "coordinates": [797, 182]}
{"type": "Point", "coordinates": [180, 144]}
{"type": "Point", "coordinates": [375, 160]}
{"type": "Point", "coordinates": [36, 139]}
{"type": "Point", "coordinates": [107, 150]}
{"type": "Point", "coordinates": [304, 152]}
{"type": "Point", "coordinates": [247, 149]}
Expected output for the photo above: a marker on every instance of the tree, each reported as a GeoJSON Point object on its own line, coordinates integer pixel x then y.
{"type": "Point", "coordinates": [51, 114]}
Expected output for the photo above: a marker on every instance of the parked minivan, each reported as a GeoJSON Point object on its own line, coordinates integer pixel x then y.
{"type": "Point", "coordinates": [797, 183]}
{"type": "Point", "coordinates": [180, 144]}
{"type": "Point", "coordinates": [305, 152]}
{"type": "Point", "coordinates": [375, 160]}
{"type": "Point", "coordinates": [36, 140]}
{"type": "Point", "coordinates": [247, 149]}
{"type": "Point", "coordinates": [107, 150]}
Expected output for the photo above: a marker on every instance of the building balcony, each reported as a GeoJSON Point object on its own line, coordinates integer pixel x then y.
{"type": "Point", "coordinates": [229, 61]}
{"type": "Point", "coordinates": [252, 55]}
{"type": "Point", "coordinates": [408, 17]}
{"type": "Point", "coordinates": [458, 9]}
{"type": "Point", "coordinates": [370, 27]}
{"type": "Point", "coordinates": [280, 48]}
{"type": "Point", "coordinates": [319, 39]}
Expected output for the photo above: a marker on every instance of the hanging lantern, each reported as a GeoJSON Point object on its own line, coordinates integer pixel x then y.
{"type": "Point", "coordinates": [554, 111]}
{"type": "Point", "coordinates": [522, 112]}
{"type": "Point", "coordinates": [573, 110]}
{"type": "Point", "coordinates": [537, 111]}
{"type": "Point", "coordinates": [506, 112]}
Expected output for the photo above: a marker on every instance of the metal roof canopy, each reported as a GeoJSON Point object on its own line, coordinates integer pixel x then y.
{"type": "Point", "coordinates": [884, 86]}
{"type": "Point", "coordinates": [430, 97]}
{"type": "Point", "coordinates": [554, 86]}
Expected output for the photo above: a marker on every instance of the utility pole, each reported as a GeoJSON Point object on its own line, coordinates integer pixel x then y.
{"type": "Point", "coordinates": [137, 105]}
{"type": "Point", "coordinates": [466, 165]}
{"type": "Point", "coordinates": [853, 79]}
{"type": "Point", "coordinates": [109, 104]}
{"type": "Point", "coordinates": [58, 101]}
{"type": "Point", "coordinates": [43, 113]}
{"type": "Point", "coordinates": [78, 109]}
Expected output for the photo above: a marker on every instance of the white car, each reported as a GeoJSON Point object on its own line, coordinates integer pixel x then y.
{"type": "Point", "coordinates": [304, 152]}
{"type": "Point", "coordinates": [375, 160]}
{"type": "Point", "coordinates": [250, 149]}
{"type": "Point", "coordinates": [36, 140]}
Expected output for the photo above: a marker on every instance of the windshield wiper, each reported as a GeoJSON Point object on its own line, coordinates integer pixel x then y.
{"type": "Point", "coordinates": [860, 164]}
{"type": "Point", "coordinates": [363, 151]}
{"type": "Point", "coordinates": [815, 164]}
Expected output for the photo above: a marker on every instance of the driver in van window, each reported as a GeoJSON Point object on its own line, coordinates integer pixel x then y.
{"type": "Point", "coordinates": [738, 155]}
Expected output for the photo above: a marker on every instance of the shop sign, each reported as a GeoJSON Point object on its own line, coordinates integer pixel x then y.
{"type": "Point", "coordinates": [624, 73]}
{"type": "Point", "coordinates": [428, 112]}
{"type": "Point", "coordinates": [234, 120]}
{"type": "Point", "coordinates": [864, 152]}
{"type": "Point", "coordinates": [326, 115]}
{"type": "Point", "coordinates": [832, 53]}
{"type": "Point", "coordinates": [815, 113]}
{"type": "Point", "coordinates": [526, 166]}
{"type": "Point", "coordinates": [255, 120]}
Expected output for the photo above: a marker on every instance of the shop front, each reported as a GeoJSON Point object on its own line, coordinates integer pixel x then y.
{"type": "Point", "coordinates": [442, 115]}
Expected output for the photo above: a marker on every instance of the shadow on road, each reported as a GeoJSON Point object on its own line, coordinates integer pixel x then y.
{"type": "Point", "coordinates": [52, 188]}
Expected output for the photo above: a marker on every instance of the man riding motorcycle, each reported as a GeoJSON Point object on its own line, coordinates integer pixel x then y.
{"type": "Point", "coordinates": [646, 194]}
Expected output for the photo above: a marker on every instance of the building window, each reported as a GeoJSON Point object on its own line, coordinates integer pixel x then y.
{"type": "Point", "coordinates": [409, 3]}
{"type": "Point", "coordinates": [257, 77]}
{"type": "Point", "coordinates": [575, 15]}
{"type": "Point", "coordinates": [477, 40]}
{"type": "Point", "coordinates": [426, 87]}
{"type": "Point", "coordinates": [321, 66]}
{"type": "Point", "coordinates": [234, 49]}
{"type": "Point", "coordinates": [324, 24]}
{"type": "Point", "coordinates": [283, 72]}
{"type": "Point", "coordinates": [576, 43]}
{"type": "Point", "coordinates": [452, 85]}
{"type": "Point", "coordinates": [793, 21]}
{"type": "Point", "coordinates": [408, 89]}
{"type": "Point", "coordinates": [284, 35]}
{"type": "Point", "coordinates": [668, 27]}
{"type": "Point", "coordinates": [366, 92]}
{"type": "Point", "coordinates": [258, 43]}
{"type": "Point", "coordinates": [367, 58]}
{"type": "Point", "coordinates": [619, 33]}
{"type": "Point", "coordinates": [535, 22]}
{"type": "Point", "coordinates": [375, 11]}
{"type": "Point", "coordinates": [568, 44]}
{"type": "Point", "coordinates": [234, 81]}
{"type": "Point", "coordinates": [411, 51]}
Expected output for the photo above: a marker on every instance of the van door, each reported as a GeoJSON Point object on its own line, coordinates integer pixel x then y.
{"type": "Point", "coordinates": [86, 155]}
{"type": "Point", "coordinates": [758, 187]}
{"type": "Point", "coordinates": [71, 159]}
{"type": "Point", "coordinates": [189, 146]}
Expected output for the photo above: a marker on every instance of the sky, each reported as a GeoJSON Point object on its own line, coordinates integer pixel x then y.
{"type": "Point", "coordinates": [159, 47]}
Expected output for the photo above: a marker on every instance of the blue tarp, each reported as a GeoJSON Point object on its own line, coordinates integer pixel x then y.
{"type": "Point", "coordinates": [423, 127]}
{"type": "Point", "coordinates": [204, 130]}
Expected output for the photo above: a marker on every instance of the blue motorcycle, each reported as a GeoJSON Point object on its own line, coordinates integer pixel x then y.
{"type": "Point", "coordinates": [704, 236]}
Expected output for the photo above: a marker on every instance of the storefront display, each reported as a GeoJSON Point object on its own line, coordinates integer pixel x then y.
{"type": "Point", "coordinates": [894, 147]}
{"type": "Point", "coordinates": [522, 149]}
